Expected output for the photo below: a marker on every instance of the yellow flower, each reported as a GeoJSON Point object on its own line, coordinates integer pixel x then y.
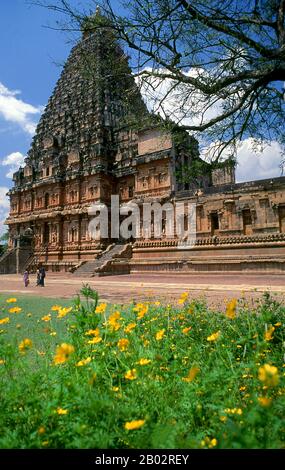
{"type": "Point", "coordinates": [83, 362]}
{"type": "Point", "coordinates": [113, 321]}
{"type": "Point", "coordinates": [233, 411]}
{"type": "Point", "coordinates": [115, 389]}
{"type": "Point", "coordinates": [95, 332]}
{"type": "Point", "coordinates": [101, 308]}
{"type": "Point", "coordinates": [95, 340]}
{"type": "Point", "coordinates": [183, 298]}
{"type": "Point", "coordinates": [213, 443]}
{"type": "Point", "coordinates": [25, 344]}
{"type": "Point", "coordinates": [138, 307]}
{"type": "Point", "coordinates": [157, 303]}
{"type": "Point", "coordinates": [191, 374]}
{"type": "Point", "coordinates": [62, 312]}
{"type": "Point", "coordinates": [210, 443]}
{"type": "Point", "coordinates": [231, 309]}
{"type": "Point", "coordinates": [2, 361]}
{"type": "Point", "coordinates": [278, 323]}
{"type": "Point", "coordinates": [159, 335]}
{"type": "Point", "coordinates": [136, 424]}
{"type": "Point", "coordinates": [11, 300]}
{"type": "Point", "coordinates": [4, 321]}
{"type": "Point", "coordinates": [63, 353]}
{"type": "Point", "coordinates": [268, 335]}
{"type": "Point", "coordinates": [143, 362]}
{"type": "Point", "coordinates": [269, 375]}
{"type": "Point", "coordinates": [214, 336]}
{"type": "Point", "coordinates": [223, 419]}
{"type": "Point", "coordinates": [130, 327]}
{"type": "Point", "coordinates": [265, 401]}
{"type": "Point", "coordinates": [53, 333]}
{"type": "Point", "coordinates": [55, 308]}
{"type": "Point", "coordinates": [131, 374]}
{"type": "Point", "coordinates": [123, 344]}
{"type": "Point", "coordinates": [46, 317]}
{"type": "Point", "coordinates": [141, 310]}
{"type": "Point", "coordinates": [186, 330]}
{"type": "Point", "coordinates": [41, 430]}
{"type": "Point", "coordinates": [61, 411]}
{"type": "Point", "coordinates": [15, 310]}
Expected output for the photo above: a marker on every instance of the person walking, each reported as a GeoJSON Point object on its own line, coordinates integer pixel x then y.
{"type": "Point", "coordinates": [38, 277]}
{"type": "Point", "coordinates": [42, 276]}
{"type": "Point", "coordinates": [26, 278]}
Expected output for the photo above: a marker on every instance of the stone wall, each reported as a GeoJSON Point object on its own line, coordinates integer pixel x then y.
{"type": "Point", "coordinates": [266, 254]}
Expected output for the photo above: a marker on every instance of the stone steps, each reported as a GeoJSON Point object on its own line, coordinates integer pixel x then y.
{"type": "Point", "coordinates": [89, 268]}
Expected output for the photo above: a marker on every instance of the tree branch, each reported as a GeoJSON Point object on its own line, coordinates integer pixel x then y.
{"type": "Point", "coordinates": [207, 21]}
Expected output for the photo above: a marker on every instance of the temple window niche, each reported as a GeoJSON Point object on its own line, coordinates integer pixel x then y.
{"type": "Point", "coordinates": [215, 224]}
{"type": "Point", "coordinates": [73, 234]}
{"type": "Point", "coordinates": [247, 222]}
{"type": "Point", "coordinates": [72, 196]}
{"type": "Point", "coordinates": [47, 200]}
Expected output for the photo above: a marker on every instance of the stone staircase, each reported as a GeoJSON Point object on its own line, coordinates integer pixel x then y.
{"type": "Point", "coordinates": [14, 261]}
{"type": "Point", "coordinates": [8, 262]}
{"type": "Point", "coordinates": [102, 265]}
{"type": "Point", "coordinates": [34, 260]}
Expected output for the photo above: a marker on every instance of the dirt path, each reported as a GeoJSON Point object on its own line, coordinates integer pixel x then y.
{"type": "Point", "coordinates": [216, 288]}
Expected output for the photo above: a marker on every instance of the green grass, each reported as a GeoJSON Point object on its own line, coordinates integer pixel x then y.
{"type": "Point", "coordinates": [28, 322]}
{"type": "Point", "coordinates": [184, 376]}
{"type": "Point", "coordinates": [36, 304]}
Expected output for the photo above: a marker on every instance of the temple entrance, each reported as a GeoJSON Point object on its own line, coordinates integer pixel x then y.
{"type": "Point", "coordinates": [281, 211]}
{"type": "Point", "coordinates": [215, 226]}
{"type": "Point", "coordinates": [46, 234]}
{"type": "Point", "coordinates": [247, 222]}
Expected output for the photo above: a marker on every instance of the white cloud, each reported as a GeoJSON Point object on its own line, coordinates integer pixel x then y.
{"type": "Point", "coordinates": [253, 165]}
{"type": "Point", "coordinates": [255, 160]}
{"type": "Point", "coordinates": [4, 200]}
{"type": "Point", "coordinates": [16, 111]}
{"type": "Point", "coordinates": [180, 102]}
{"type": "Point", "coordinates": [4, 208]}
{"type": "Point", "coordinates": [13, 162]}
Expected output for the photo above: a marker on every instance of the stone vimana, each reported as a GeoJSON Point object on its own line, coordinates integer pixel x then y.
{"type": "Point", "coordinates": [96, 138]}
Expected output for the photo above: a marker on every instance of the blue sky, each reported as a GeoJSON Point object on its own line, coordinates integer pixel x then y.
{"type": "Point", "coordinates": [31, 55]}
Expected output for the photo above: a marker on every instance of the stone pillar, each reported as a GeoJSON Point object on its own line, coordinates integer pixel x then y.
{"type": "Point", "coordinates": [18, 255]}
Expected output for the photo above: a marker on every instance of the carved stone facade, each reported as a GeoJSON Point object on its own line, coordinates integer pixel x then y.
{"type": "Point", "coordinates": [96, 138]}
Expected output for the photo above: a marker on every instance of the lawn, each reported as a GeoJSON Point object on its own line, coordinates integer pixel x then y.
{"type": "Point", "coordinates": [148, 375]}
{"type": "Point", "coordinates": [27, 323]}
